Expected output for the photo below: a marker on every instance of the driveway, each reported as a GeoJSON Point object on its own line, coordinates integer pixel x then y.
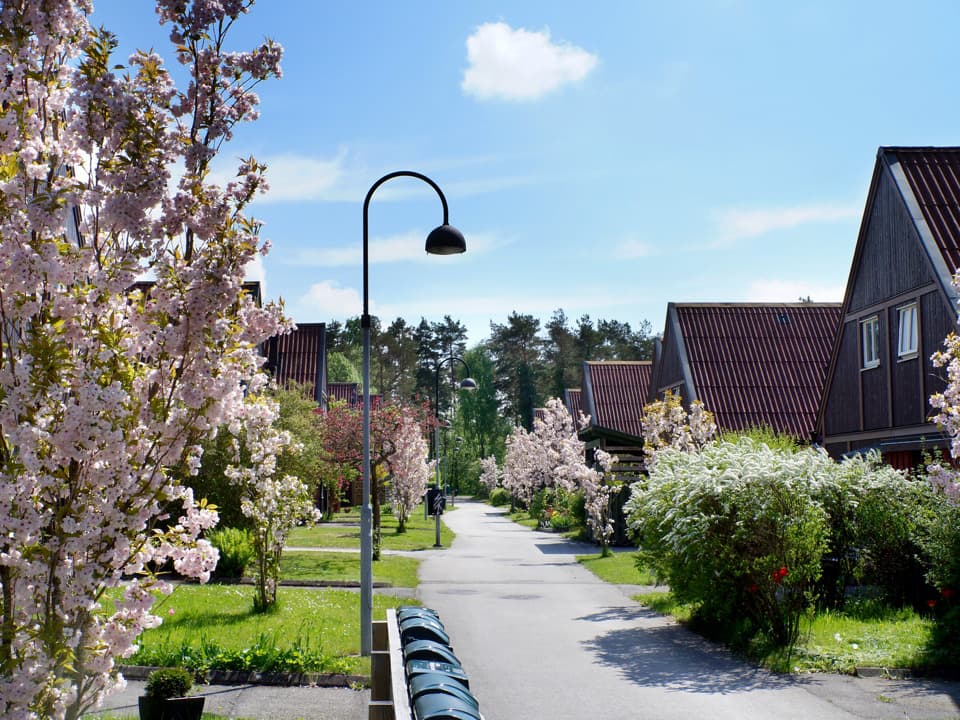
{"type": "Point", "coordinates": [542, 637]}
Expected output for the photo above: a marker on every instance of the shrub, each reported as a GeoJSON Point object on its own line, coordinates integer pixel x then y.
{"type": "Point", "coordinates": [562, 521]}
{"type": "Point", "coordinates": [735, 529]}
{"type": "Point", "coordinates": [236, 551]}
{"type": "Point", "coordinates": [499, 496]}
{"type": "Point", "coordinates": [169, 682]}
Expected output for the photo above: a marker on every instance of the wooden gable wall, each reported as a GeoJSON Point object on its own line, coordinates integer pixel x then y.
{"type": "Point", "coordinates": [668, 370]}
{"type": "Point", "coordinates": [863, 407]}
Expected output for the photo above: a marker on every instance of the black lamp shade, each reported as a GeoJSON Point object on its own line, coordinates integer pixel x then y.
{"type": "Point", "coordinates": [468, 384]}
{"type": "Point", "coordinates": [445, 240]}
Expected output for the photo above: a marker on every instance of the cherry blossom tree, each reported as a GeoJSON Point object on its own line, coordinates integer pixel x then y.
{"type": "Point", "coordinates": [106, 384]}
{"type": "Point", "coordinates": [599, 489]}
{"type": "Point", "coordinates": [342, 432]}
{"type": "Point", "coordinates": [274, 504]}
{"type": "Point", "coordinates": [409, 470]}
{"type": "Point", "coordinates": [489, 473]}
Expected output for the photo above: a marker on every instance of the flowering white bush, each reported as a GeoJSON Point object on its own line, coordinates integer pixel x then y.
{"type": "Point", "coordinates": [737, 529]}
{"type": "Point", "coordinates": [103, 387]}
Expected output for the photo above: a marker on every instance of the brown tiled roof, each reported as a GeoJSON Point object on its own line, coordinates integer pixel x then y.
{"type": "Point", "coordinates": [614, 393]}
{"type": "Point", "coordinates": [759, 364]}
{"type": "Point", "coordinates": [297, 356]}
{"type": "Point", "coordinates": [934, 177]}
{"type": "Point", "coordinates": [572, 399]}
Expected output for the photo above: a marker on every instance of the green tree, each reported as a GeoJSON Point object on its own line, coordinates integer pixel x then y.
{"type": "Point", "coordinates": [516, 348]}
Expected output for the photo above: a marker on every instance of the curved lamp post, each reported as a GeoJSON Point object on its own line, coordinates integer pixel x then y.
{"type": "Point", "coordinates": [467, 383]}
{"type": "Point", "coordinates": [443, 240]}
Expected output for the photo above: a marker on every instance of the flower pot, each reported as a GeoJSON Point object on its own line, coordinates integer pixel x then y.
{"type": "Point", "coordinates": [183, 708]}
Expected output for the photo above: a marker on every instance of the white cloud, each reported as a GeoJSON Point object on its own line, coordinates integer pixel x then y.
{"type": "Point", "coordinates": [408, 246]}
{"type": "Point", "coordinates": [329, 299]}
{"type": "Point", "coordinates": [792, 291]}
{"type": "Point", "coordinates": [256, 272]}
{"type": "Point", "coordinates": [294, 178]}
{"type": "Point", "coordinates": [733, 225]}
{"type": "Point", "coordinates": [519, 64]}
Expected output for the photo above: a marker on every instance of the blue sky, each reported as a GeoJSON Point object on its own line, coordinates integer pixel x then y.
{"type": "Point", "coordinates": [605, 158]}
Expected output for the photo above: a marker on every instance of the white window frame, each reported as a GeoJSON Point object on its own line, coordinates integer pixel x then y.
{"type": "Point", "coordinates": [907, 331]}
{"type": "Point", "coordinates": [870, 342]}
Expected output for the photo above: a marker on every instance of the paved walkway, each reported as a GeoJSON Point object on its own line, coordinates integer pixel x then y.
{"type": "Point", "coordinates": [542, 637]}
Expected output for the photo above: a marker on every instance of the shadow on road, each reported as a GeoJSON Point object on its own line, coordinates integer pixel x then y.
{"type": "Point", "coordinates": [673, 657]}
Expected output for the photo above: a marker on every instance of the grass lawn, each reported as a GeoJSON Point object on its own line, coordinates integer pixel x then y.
{"type": "Point", "coordinates": [865, 636]}
{"type": "Point", "coordinates": [344, 532]}
{"type": "Point", "coordinates": [338, 566]}
{"type": "Point", "coordinates": [214, 626]}
{"type": "Point", "coordinates": [619, 568]}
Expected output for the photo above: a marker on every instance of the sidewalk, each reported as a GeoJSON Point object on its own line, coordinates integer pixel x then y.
{"type": "Point", "coordinates": [257, 702]}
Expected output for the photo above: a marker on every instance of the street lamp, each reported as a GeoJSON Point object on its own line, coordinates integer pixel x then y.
{"type": "Point", "coordinates": [443, 240]}
{"type": "Point", "coordinates": [467, 383]}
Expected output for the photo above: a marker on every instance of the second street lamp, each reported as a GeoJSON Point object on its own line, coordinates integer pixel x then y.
{"type": "Point", "coordinates": [443, 240]}
{"type": "Point", "coordinates": [467, 383]}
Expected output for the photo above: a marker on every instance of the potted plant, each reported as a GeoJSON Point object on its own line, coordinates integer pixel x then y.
{"type": "Point", "coordinates": [165, 697]}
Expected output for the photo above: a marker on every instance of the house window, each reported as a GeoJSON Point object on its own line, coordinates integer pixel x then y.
{"type": "Point", "coordinates": [907, 344]}
{"type": "Point", "coordinates": [870, 336]}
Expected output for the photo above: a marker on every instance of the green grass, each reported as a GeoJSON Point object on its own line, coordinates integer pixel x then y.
{"type": "Point", "coordinates": [344, 532]}
{"type": "Point", "coordinates": [618, 568]}
{"type": "Point", "coordinates": [341, 566]}
{"type": "Point", "coordinates": [522, 517]}
{"type": "Point", "coordinates": [214, 627]}
{"type": "Point", "coordinates": [839, 642]}
{"type": "Point", "coordinates": [866, 635]}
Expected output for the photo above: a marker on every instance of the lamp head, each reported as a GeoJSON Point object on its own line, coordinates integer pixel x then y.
{"type": "Point", "coordinates": [468, 384]}
{"type": "Point", "coordinates": [445, 240]}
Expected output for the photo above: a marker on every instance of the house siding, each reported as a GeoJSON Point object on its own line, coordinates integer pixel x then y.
{"type": "Point", "coordinates": [892, 241]}
{"type": "Point", "coordinates": [843, 407]}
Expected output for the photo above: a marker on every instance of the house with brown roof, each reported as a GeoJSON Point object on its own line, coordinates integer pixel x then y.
{"type": "Point", "coordinates": [572, 401]}
{"type": "Point", "coordinates": [750, 364]}
{"type": "Point", "coordinates": [300, 356]}
{"type": "Point", "coordinates": [899, 305]}
{"type": "Point", "coordinates": [612, 395]}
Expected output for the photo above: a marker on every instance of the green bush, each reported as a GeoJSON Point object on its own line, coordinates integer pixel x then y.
{"type": "Point", "coordinates": [499, 497]}
{"type": "Point", "coordinates": [736, 531]}
{"type": "Point", "coordinates": [562, 521]}
{"type": "Point", "coordinates": [169, 682]}
{"type": "Point", "coordinates": [236, 551]}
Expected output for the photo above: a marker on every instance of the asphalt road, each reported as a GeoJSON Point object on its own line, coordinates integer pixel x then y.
{"type": "Point", "coordinates": [542, 637]}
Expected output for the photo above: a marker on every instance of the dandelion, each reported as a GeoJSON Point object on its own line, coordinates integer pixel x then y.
{"type": "Point", "coordinates": [855, 646]}
{"type": "Point", "coordinates": [836, 636]}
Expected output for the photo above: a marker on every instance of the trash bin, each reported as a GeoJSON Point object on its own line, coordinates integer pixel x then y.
{"type": "Point", "coordinates": [419, 667]}
{"type": "Point", "coordinates": [422, 629]}
{"type": "Point", "coordinates": [429, 650]}
{"type": "Point", "coordinates": [440, 683]}
{"type": "Point", "coordinates": [442, 706]}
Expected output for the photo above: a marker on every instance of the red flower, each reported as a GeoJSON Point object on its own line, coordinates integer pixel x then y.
{"type": "Point", "coordinates": [753, 588]}
{"type": "Point", "coordinates": [947, 593]}
{"type": "Point", "coordinates": [779, 575]}
{"type": "Point", "coordinates": [931, 603]}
